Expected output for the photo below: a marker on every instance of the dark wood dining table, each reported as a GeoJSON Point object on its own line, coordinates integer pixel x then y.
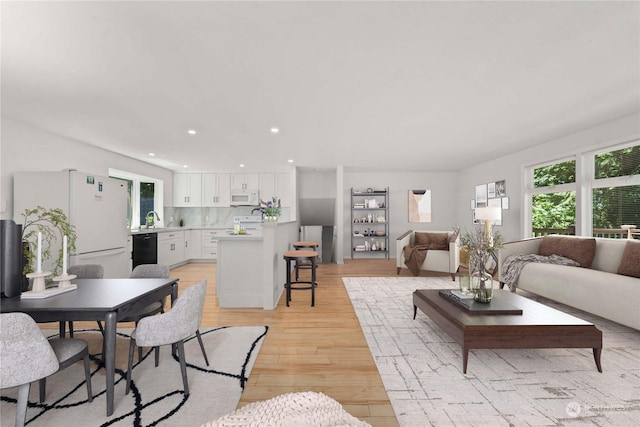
{"type": "Point", "coordinates": [107, 300]}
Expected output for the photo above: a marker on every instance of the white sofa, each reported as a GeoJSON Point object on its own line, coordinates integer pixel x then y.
{"type": "Point", "coordinates": [598, 290]}
{"type": "Point", "coordinates": [445, 261]}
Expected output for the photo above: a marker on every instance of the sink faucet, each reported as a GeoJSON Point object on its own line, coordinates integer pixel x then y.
{"type": "Point", "coordinates": [151, 214]}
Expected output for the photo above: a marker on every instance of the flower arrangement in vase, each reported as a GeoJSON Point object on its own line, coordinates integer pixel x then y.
{"type": "Point", "coordinates": [270, 209]}
{"type": "Point", "coordinates": [481, 245]}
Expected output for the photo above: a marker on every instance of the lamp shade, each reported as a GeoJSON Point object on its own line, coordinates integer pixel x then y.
{"type": "Point", "coordinates": [490, 213]}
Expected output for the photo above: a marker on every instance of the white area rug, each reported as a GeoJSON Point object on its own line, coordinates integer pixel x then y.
{"type": "Point", "coordinates": [157, 395]}
{"type": "Point", "coordinates": [421, 367]}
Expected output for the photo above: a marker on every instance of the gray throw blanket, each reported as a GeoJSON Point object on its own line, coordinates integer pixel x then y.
{"type": "Point", "coordinates": [513, 265]}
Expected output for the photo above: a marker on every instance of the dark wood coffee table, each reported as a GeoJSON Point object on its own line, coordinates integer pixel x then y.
{"type": "Point", "coordinates": [538, 326]}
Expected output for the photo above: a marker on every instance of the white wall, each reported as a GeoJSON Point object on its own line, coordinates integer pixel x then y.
{"type": "Point", "coordinates": [511, 168]}
{"type": "Point", "coordinates": [26, 148]}
{"type": "Point", "coordinates": [443, 185]}
{"type": "Point", "coordinates": [316, 184]}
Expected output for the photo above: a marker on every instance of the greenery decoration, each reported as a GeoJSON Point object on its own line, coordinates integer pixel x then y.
{"type": "Point", "coordinates": [480, 246]}
{"type": "Point", "coordinates": [271, 207]}
{"type": "Point", "coordinates": [53, 224]}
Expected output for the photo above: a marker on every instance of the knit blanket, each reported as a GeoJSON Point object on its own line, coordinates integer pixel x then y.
{"type": "Point", "coordinates": [309, 409]}
{"type": "Point", "coordinates": [513, 265]}
{"type": "Point", "coordinates": [414, 257]}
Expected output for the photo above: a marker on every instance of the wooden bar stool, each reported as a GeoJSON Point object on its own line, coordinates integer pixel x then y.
{"type": "Point", "coordinates": [304, 263]}
{"type": "Point", "coordinates": [295, 256]}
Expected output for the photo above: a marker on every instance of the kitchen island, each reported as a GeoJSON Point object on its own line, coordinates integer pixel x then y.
{"type": "Point", "coordinates": [250, 269]}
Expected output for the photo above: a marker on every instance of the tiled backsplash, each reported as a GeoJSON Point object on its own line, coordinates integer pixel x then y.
{"type": "Point", "coordinates": [209, 217]}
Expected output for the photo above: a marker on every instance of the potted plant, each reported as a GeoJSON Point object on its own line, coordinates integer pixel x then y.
{"type": "Point", "coordinates": [271, 209]}
{"type": "Point", "coordinates": [53, 224]}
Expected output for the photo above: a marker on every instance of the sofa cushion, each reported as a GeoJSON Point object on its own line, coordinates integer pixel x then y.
{"type": "Point", "coordinates": [630, 262]}
{"type": "Point", "coordinates": [578, 249]}
{"type": "Point", "coordinates": [434, 241]}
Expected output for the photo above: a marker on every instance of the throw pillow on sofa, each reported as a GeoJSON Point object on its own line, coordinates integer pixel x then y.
{"type": "Point", "coordinates": [578, 249]}
{"type": "Point", "coordinates": [435, 241]}
{"type": "Point", "coordinates": [630, 262]}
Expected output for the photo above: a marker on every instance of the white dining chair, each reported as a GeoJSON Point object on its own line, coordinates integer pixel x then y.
{"type": "Point", "coordinates": [26, 357]}
{"type": "Point", "coordinates": [172, 327]}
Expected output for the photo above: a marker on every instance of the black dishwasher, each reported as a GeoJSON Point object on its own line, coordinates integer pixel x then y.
{"type": "Point", "coordinates": [145, 249]}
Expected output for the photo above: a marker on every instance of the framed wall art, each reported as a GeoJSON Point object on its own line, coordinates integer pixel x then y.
{"type": "Point", "coordinates": [481, 195]}
{"type": "Point", "coordinates": [419, 205]}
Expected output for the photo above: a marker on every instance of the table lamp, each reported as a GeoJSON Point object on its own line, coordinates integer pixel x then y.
{"type": "Point", "coordinates": [488, 215]}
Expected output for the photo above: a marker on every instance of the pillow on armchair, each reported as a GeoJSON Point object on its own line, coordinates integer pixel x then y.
{"type": "Point", "coordinates": [434, 241]}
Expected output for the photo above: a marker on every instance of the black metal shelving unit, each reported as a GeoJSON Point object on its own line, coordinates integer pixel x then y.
{"type": "Point", "coordinates": [370, 223]}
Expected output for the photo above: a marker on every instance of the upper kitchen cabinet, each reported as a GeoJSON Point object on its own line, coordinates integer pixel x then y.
{"type": "Point", "coordinates": [276, 185]}
{"type": "Point", "coordinates": [187, 189]}
{"type": "Point", "coordinates": [216, 190]}
{"type": "Point", "coordinates": [245, 181]}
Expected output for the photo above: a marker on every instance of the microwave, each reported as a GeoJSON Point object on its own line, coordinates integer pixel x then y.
{"type": "Point", "coordinates": [244, 198]}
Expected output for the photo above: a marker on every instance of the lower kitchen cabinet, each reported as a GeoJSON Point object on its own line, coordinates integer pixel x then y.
{"type": "Point", "coordinates": [171, 250]}
{"type": "Point", "coordinates": [210, 243]}
{"type": "Point", "coordinates": [192, 244]}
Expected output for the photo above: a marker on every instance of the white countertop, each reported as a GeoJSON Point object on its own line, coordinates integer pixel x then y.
{"type": "Point", "coordinates": [169, 229]}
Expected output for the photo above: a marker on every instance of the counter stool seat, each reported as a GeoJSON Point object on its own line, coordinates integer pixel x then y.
{"type": "Point", "coordinates": [305, 244]}
{"type": "Point", "coordinates": [297, 256]}
{"type": "Point", "coordinates": [302, 264]}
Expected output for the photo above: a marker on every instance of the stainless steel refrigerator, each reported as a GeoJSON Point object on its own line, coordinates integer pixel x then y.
{"type": "Point", "coordinates": [95, 205]}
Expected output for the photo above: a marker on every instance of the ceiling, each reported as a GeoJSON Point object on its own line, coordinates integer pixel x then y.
{"type": "Point", "coordinates": [405, 86]}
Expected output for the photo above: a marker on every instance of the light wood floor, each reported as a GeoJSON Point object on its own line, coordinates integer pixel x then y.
{"type": "Point", "coordinates": [319, 348]}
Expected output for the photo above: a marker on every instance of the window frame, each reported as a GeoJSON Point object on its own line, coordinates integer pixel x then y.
{"type": "Point", "coordinates": [583, 186]}
{"type": "Point", "coordinates": [158, 194]}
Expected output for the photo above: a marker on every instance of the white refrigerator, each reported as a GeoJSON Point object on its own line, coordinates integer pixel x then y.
{"type": "Point", "coordinates": [95, 205]}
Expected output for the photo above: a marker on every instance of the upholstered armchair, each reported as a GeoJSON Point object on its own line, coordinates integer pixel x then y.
{"type": "Point", "coordinates": [441, 247]}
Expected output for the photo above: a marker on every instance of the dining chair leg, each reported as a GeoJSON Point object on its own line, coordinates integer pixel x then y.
{"type": "Point", "coordinates": [139, 348]}
{"type": "Point", "coordinates": [204, 353]}
{"type": "Point", "coordinates": [157, 352]}
{"type": "Point", "coordinates": [87, 375]}
{"type": "Point", "coordinates": [70, 328]}
{"type": "Point", "coordinates": [42, 386]}
{"type": "Point", "coordinates": [21, 408]}
{"type": "Point", "coordinates": [132, 347]}
{"type": "Point", "coordinates": [183, 367]}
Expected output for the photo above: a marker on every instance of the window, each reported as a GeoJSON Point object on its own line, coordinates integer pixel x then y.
{"type": "Point", "coordinates": [564, 200]}
{"type": "Point", "coordinates": [616, 189]}
{"type": "Point", "coordinates": [145, 195]}
{"type": "Point", "coordinates": [553, 200]}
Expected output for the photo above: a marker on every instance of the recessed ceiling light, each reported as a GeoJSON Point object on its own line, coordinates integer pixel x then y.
{"type": "Point", "coordinates": [152, 154]}
{"type": "Point", "coordinates": [191, 132]}
{"type": "Point", "coordinates": [275, 130]}
{"type": "Point", "coordinates": [241, 165]}
{"type": "Point", "coordinates": [185, 166]}
{"type": "Point", "coordinates": [290, 160]}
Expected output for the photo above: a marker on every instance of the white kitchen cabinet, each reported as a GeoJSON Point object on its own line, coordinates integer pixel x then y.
{"type": "Point", "coordinates": [187, 189]}
{"type": "Point", "coordinates": [193, 244]}
{"type": "Point", "coordinates": [276, 185]}
{"type": "Point", "coordinates": [216, 190]}
{"type": "Point", "coordinates": [210, 243]}
{"type": "Point", "coordinates": [245, 181]}
{"type": "Point", "coordinates": [171, 248]}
